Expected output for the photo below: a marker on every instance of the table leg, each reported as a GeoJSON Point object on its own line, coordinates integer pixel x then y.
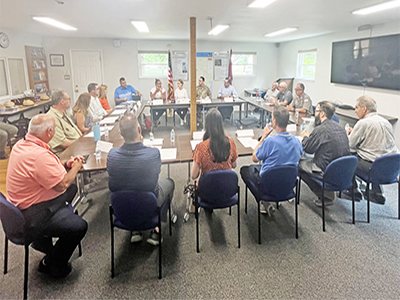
{"type": "Point", "coordinates": [240, 113]}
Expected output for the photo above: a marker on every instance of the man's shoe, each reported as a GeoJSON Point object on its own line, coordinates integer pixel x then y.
{"type": "Point", "coordinates": [270, 210]}
{"type": "Point", "coordinates": [54, 270]}
{"type": "Point", "coordinates": [358, 196]}
{"type": "Point", "coordinates": [136, 236]}
{"type": "Point", "coordinates": [263, 210]}
{"type": "Point", "coordinates": [328, 202]}
{"type": "Point", "coordinates": [153, 238]}
{"type": "Point", "coordinates": [375, 197]}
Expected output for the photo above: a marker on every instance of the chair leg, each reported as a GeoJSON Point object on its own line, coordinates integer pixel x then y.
{"type": "Point", "coordinates": [296, 210]}
{"type": "Point", "coordinates": [398, 198]}
{"type": "Point", "coordinates": [245, 200]}
{"type": "Point", "coordinates": [353, 205]}
{"type": "Point", "coordinates": [80, 244]}
{"type": "Point", "coordinates": [323, 208]}
{"type": "Point", "coordinates": [159, 246]}
{"type": "Point", "coordinates": [112, 242]}
{"type": "Point", "coordinates": [6, 255]}
{"type": "Point", "coordinates": [368, 204]}
{"type": "Point", "coordinates": [196, 213]}
{"type": "Point", "coordinates": [170, 219]}
{"type": "Point", "coordinates": [238, 216]}
{"type": "Point", "coordinates": [26, 271]}
{"type": "Point", "coordinates": [298, 197]}
{"type": "Point", "coordinates": [277, 205]}
{"type": "Point", "coordinates": [230, 210]}
{"type": "Point", "coordinates": [259, 223]}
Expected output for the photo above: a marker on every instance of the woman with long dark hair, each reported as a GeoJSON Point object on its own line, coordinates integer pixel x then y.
{"type": "Point", "coordinates": [217, 151]}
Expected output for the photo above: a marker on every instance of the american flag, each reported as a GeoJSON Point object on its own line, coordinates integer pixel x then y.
{"type": "Point", "coordinates": [170, 79]}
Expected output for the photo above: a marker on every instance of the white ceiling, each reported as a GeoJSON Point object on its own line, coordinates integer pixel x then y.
{"type": "Point", "coordinates": [169, 19]}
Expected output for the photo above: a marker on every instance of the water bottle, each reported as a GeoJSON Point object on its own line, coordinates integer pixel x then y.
{"type": "Point", "coordinates": [151, 136]}
{"type": "Point", "coordinates": [98, 154]}
{"type": "Point", "coordinates": [106, 132]}
{"type": "Point", "coordinates": [297, 115]}
{"type": "Point", "coordinates": [172, 135]}
{"type": "Point", "coordinates": [347, 128]}
{"type": "Point", "coordinates": [302, 126]}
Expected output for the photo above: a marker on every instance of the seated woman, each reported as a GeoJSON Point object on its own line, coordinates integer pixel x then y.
{"type": "Point", "coordinates": [80, 113]}
{"type": "Point", "coordinates": [217, 151]}
{"type": "Point", "coordinates": [157, 93]}
{"type": "Point", "coordinates": [103, 98]}
{"type": "Point", "coordinates": [181, 93]}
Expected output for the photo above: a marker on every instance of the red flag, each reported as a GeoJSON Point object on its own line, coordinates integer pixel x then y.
{"type": "Point", "coordinates": [170, 79]}
{"type": "Point", "coordinates": [230, 74]}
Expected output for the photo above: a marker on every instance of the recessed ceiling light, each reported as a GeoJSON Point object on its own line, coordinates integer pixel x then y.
{"type": "Point", "coordinates": [54, 23]}
{"type": "Point", "coordinates": [218, 29]}
{"type": "Point", "coordinates": [282, 31]}
{"type": "Point", "coordinates": [376, 8]}
{"type": "Point", "coordinates": [141, 26]}
{"type": "Point", "coordinates": [260, 3]}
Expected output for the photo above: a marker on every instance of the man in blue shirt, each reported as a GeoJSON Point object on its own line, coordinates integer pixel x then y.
{"type": "Point", "coordinates": [134, 167]}
{"type": "Point", "coordinates": [226, 91]}
{"type": "Point", "coordinates": [124, 92]}
{"type": "Point", "coordinates": [278, 150]}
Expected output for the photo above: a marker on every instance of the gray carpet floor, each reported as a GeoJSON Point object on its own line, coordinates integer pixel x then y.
{"type": "Point", "coordinates": [345, 262]}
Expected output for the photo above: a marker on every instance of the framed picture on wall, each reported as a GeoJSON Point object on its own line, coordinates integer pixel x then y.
{"type": "Point", "coordinates": [57, 60]}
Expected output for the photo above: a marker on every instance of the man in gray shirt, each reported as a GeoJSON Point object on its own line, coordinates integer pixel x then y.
{"type": "Point", "coordinates": [301, 101]}
{"type": "Point", "coordinates": [371, 138]}
{"type": "Point", "coordinates": [285, 96]}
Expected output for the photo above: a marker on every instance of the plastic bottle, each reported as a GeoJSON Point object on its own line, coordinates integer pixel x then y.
{"type": "Point", "coordinates": [172, 135]}
{"type": "Point", "coordinates": [151, 136]}
{"type": "Point", "coordinates": [106, 132]}
{"type": "Point", "coordinates": [297, 115]}
{"type": "Point", "coordinates": [98, 154]}
{"type": "Point", "coordinates": [347, 128]}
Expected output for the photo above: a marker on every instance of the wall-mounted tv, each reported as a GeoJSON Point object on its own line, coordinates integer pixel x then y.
{"type": "Point", "coordinates": [370, 62]}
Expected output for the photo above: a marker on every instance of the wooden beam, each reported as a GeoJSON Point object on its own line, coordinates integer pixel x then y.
{"type": "Point", "coordinates": [193, 106]}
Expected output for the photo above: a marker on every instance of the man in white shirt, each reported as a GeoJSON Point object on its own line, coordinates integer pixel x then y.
{"type": "Point", "coordinates": [226, 91]}
{"type": "Point", "coordinates": [371, 138]}
{"type": "Point", "coordinates": [95, 109]}
{"type": "Point", "coordinates": [272, 92]}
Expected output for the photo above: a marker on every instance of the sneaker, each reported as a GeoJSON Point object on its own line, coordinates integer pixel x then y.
{"type": "Point", "coordinates": [358, 196]}
{"type": "Point", "coordinates": [375, 197]}
{"type": "Point", "coordinates": [328, 202]}
{"type": "Point", "coordinates": [182, 123]}
{"type": "Point", "coordinates": [53, 270]}
{"type": "Point", "coordinates": [262, 209]}
{"type": "Point", "coordinates": [136, 236]}
{"type": "Point", "coordinates": [270, 210]}
{"type": "Point", "coordinates": [153, 238]}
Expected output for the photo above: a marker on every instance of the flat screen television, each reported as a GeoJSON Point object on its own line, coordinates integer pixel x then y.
{"type": "Point", "coordinates": [370, 62]}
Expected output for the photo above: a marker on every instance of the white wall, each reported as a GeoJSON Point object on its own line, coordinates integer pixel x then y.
{"type": "Point", "coordinates": [123, 61]}
{"type": "Point", "coordinates": [388, 101]}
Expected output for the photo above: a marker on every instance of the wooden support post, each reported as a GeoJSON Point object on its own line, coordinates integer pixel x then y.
{"type": "Point", "coordinates": [193, 106]}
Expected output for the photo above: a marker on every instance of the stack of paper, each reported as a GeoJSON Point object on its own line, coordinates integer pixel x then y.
{"type": "Point", "coordinates": [183, 101]}
{"type": "Point", "coordinates": [118, 112]}
{"type": "Point", "coordinates": [158, 102]}
{"type": "Point", "coordinates": [197, 138]}
{"type": "Point", "coordinates": [109, 120]}
{"type": "Point", "coordinates": [104, 146]}
{"type": "Point", "coordinates": [168, 154]}
{"type": "Point", "coordinates": [245, 133]}
{"type": "Point", "coordinates": [155, 142]}
{"type": "Point", "coordinates": [248, 142]}
{"type": "Point", "coordinates": [109, 127]}
{"type": "Point", "coordinates": [229, 99]}
{"type": "Point", "coordinates": [207, 100]}
{"type": "Point", "coordinates": [291, 127]}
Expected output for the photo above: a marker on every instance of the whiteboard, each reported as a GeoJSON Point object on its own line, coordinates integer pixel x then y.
{"type": "Point", "coordinates": [180, 65]}
{"type": "Point", "coordinates": [221, 65]}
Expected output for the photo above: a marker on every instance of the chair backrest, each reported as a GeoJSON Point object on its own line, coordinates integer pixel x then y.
{"type": "Point", "coordinates": [134, 209]}
{"type": "Point", "coordinates": [218, 186]}
{"type": "Point", "coordinates": [340, 172]}
{"type": "Point", "coordinates": [335, 118]}
{"type": "Point", "coordinates": [12, 220]}
{"type": "Point", "coordinates": [278, 183]}
{"type": "Point", "coordinates": [385, 169]}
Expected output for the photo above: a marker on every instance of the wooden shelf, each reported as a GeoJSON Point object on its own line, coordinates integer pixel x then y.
{"type": "Point", "coordinates": [39, 86]}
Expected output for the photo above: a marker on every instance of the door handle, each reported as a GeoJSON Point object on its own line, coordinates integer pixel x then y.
{"type": "Point", "coordinates": [76, 89]}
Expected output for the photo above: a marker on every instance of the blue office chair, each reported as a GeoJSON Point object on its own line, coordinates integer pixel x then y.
{"type": "Point", "coordinates": [276, 185]}
{"type": "Point", "coordinates": [384, 170]}
{"type": "Point", "coordinates": [338, 176]}
{"type": "Point", "coordinates": [137, 211]}
{"type": "Point", "coordinates": [335, 118]}
{"type": "Point", "coordinates": [217, 189]}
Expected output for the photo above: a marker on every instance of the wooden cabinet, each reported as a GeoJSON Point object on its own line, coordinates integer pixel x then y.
{"type": "Point", "coordinates": [37, 69]}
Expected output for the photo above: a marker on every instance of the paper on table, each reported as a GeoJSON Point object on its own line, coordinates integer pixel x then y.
{"type": "Point", "coordinates": [118, 112]}
{"type": "Point", "coordinates": [229, 99]}
{"type": "Point", "coordinates": [253, 143]}
{"type": "Point", "coordinates": [183, 101]}
{"type": "Point", "coordinates": [194, 143]}
{"type": "Point", "coordinates": [207, 100]}
{"type": "Point", "coordinates": [91, 134]}
{"type": "Point", "coordinates": [308, 119]}
{"type": "Point", "coordinates": [109, 120]}
{"type": "Point", "coordinates": [147, 142]}
{"type": "Point", "coordinates": [248, 142]}
{"type": "Point", "coordinates": [158, 102]}
{"type": "Point", "coordinates": [169, 153]}
{"type": "Point", "coordinates": [103, 128]}
{"type": "Point", "coordinates": [122, 106]}
{"type": "Point", "coordinates": [245, 133]}
{"type": "Point", "coordinates": [291, 127]}
{"type": "Point", "coordinates": [300, 138]}
{"type": "Point", "coordinates": [104, 146]}
{"type": "Point", "coordinates": [198, 135]}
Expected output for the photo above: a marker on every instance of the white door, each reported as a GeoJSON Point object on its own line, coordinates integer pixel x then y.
{"type": "Point", "coordinates": [86, 68]}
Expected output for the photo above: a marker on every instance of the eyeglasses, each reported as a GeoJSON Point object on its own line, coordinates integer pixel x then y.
{"type": "Point", "coordinates": [318, 110]}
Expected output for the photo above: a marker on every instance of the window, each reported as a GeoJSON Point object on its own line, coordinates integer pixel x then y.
{"type": "Point", "coordinates": [243, 64]}
{"type": "Point", "coordinates": [17, 75]}
{"type": "Point", "coordinates": [306, 64]}
{"type": "Point", "coordinates": [153, 64]}
{"type": "Point", "coordinates": [3, 79]}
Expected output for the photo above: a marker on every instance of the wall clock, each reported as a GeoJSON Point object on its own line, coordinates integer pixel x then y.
{"type": "Point", "coordinates": [4, 40]}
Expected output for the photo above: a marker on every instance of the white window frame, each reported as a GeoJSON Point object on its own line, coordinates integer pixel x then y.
{"type": "Point", "coordinates": [301, 64]}
{"type": "Point", "coordinates": [5, 97]}
{"type": "Point", "coordinates": [254, 64]}
{"type": "Point", "coordinates": [140, 64]}
{"type": "Point", "coordinates": [8, 78]}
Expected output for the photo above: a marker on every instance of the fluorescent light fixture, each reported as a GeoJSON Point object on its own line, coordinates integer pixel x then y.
{"type": "Point", "coordinates": [54, 23]}
{"type": "Point", "coordinates": [282, 31]}
{"type": "Point", "coordinates": [376, 8]}
{"type": "Point", "coordinates": [260, 3]}
{"type": "Point", "coordinates": [218, 29]}
{"type": "Point", "coordinates": [141, 26]}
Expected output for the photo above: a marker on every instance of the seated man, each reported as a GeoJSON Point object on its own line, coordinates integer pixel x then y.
{"type": "Point", "coordinates": [371, 138]}
{"type": "Point", "coordinates": [134, 167]}
{"type": "Point", "coordinates": [124, 92]}
{"type": "Point", "coordinates": [95, 109]}
{"type": "Point", "coordinates": [272, 92]}
{"type": "Point", "coordinates": [40, 185]}
{"type": "Point", "coordinates": [327, 142]}
{"type": "Point", "coordinates": [66, 132]}
{"type": "Point", "coordinates": [278, 150]}
{"type": "Point", "coordinates": [7, 131]}
{"type": "Point", "coordinates": [158, 93]}
{"type": "Point", "coordinates": [284, 97]}
{"type": "Point", "coordinates": [301, 101]}
{"type": "Point", "coordinates": [202, 91]}
{"type": "Point", "coordinates": [226, 91]}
